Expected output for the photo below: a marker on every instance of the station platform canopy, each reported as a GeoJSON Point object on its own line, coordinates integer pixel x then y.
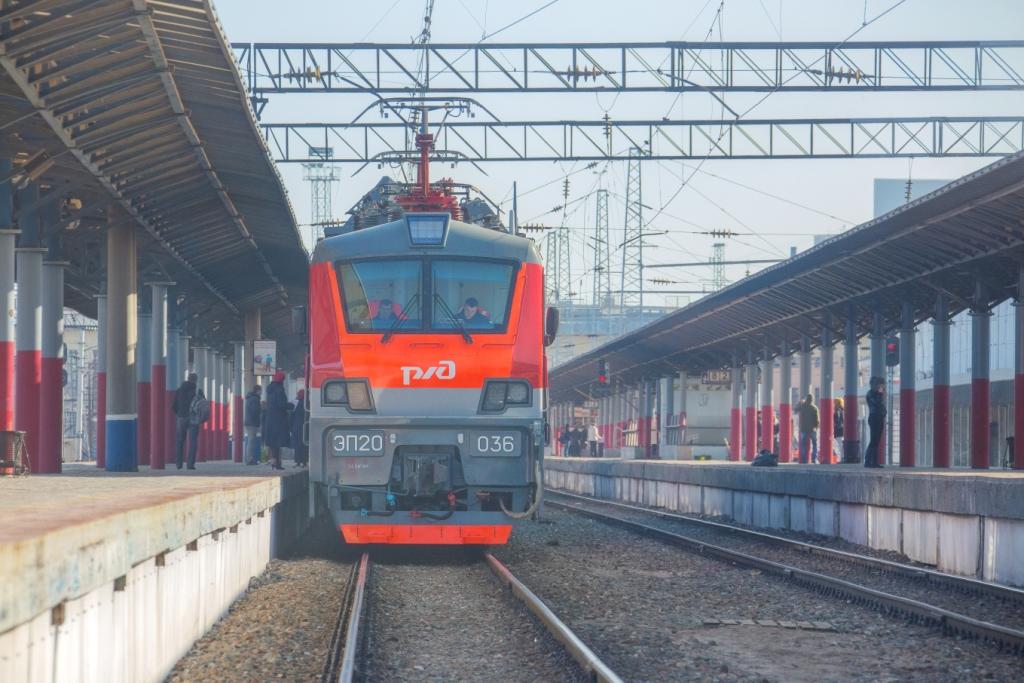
{"type": "Point", "coordinates": [963, 240]}
{"type": "Point", "coordinates": [134, 110]}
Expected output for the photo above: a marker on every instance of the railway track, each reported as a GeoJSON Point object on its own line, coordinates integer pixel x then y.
{"type": "Point", "coordinates": [347, 656]}
{"type": "Point", "coordinates": [918, 611]}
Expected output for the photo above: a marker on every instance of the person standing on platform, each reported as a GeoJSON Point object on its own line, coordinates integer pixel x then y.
{"type": "Point", "coordinates": [298, 424]}
{"type": "Point", "coordinates": [564, 437]}
{"type": "Point", "coordinates": [593, 439]}
{"type": "Point", "coordinates": [252, 419]}
{"type": "Point", "coordinates": [182, 406]}
{"type": "Point", "coordinates": [276, 434]}
{"type": "Point", "coordinates": [837, 426]}
{"type": "Point", "coordinates": [198, 413]}
{"type": "Point", "coordinates": [876, 420]}
{"type": "Point", "coordinates": [807, 417]}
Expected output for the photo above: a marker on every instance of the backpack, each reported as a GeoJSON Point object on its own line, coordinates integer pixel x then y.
{"type": "Point", "coordinates": [765, 459]}
{"type": "Point", "coordinates": [199, 411]}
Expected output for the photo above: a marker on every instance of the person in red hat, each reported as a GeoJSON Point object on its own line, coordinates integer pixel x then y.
{"type": "Point", "coordinates": [276, 433]}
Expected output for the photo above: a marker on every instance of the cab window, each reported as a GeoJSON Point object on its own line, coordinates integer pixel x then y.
{"type": "Point", "coordinates": [474, 295]}
{"type": "Point", "coordinates": [382, 295]}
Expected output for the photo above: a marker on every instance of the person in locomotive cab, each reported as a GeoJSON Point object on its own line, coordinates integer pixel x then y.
{"type": "Point", "coordinates": [471, 315]}
{"type": "Point", "coordinates": [385, 317]}
{"type": "Point", "coordinates": [276, 433]}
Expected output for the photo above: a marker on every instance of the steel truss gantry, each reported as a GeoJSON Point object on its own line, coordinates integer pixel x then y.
{"type": "Point", "coordinates": [601, 140]}
{"type": "Point", "coordinates": [614, 67]}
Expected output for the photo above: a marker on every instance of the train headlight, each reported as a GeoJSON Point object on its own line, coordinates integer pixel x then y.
{"type": "Point", "coordinates": [353, 393]}
{"type": "Point", "coordinates": [427, 229]}
{"type": "Point", "coordinates": [501, 393]}
{"type": "Point", "coordinates": [335, 393]}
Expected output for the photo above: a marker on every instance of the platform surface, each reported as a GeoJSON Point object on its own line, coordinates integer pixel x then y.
{"type": "Point", "coordinates": [68, 533]}
{"type": "Point", "coordinates": [996, 493]}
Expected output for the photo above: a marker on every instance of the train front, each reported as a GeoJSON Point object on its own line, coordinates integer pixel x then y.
{"type": "Point", "coordinates": [427, 381]}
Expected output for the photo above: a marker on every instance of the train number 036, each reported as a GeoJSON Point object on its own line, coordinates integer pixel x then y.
{"type": "Point", "coordinates": [495, 444]}
{"type": "Point", "coordinates": [359, 443]}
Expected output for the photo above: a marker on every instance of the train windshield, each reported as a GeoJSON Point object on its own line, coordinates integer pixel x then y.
{"type": "Point", "coordinates": [382, 295]}
{"type": "Point", "coordinates": [461, 295]}
{"type": "Point", "coordinates": [472, 294]}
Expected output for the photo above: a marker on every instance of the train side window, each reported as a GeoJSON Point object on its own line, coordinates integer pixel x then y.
{"type": "Point", "coordinates": [382, 295]}
{"type": "Point", "coordinates": [473, 294]}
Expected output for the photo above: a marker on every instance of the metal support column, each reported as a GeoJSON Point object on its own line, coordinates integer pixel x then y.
{"type": "Point", "coordinates": [8, 242]}
{"type": "Point", "coordinates": [223, 426]}
{"type": "Point", "coordinates": [786, 404]}
{"type": "Point", "coordinates": [213, 371]}
{"type": "Point", "coordinates": [750, 406]}
{"type": "Point", "coordinates": [170, 419]}
{"type": "Point", "coordinates": [143, 368]}
{"type": "Point", "coordinates": [158, 376]}
{"type": "Point", "coordinates": [1018, 374]}
{"type": "Point", "coordinates": [908, 388]}
{"type": "Point", "coordinates": [767, 401]}
{"type": "Point", "coordinates": [827, 405]}
{"type": "Point", "coordinates": [735, 420]}
{"type": "Point", "coordinates": [851, 365]}
{"type": "Point", "coordinates": [122, 329]}
{"type": "Point", "coordinates": [29, 331]}
{"type": "Point", "coordinates": [237, 428]}
{"type": "Point", "coordinates": [981, 319]}
{"type": "Point", "coordinates": [101, 380]}
{"type": "Point", "coordinates": [253, 332]}
{"type": "Point", "coordinates": [51, 385]}
{"type": "Point", "coordinates": [941, 432]}
{"type": "Point", "coordinates": [805, 366]}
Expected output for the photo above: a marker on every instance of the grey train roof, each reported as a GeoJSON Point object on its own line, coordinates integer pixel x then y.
{"type": "Point", "coordinates": [392, 239]}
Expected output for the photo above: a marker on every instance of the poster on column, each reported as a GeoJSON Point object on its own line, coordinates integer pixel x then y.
{"type": "Point", "coordinates": [264, 357]}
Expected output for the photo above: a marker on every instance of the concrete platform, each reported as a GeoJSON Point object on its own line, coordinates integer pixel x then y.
{"type": "Point", "coordinates": [112, 576]}
{"type": "Point", "coordinates": [961, 521]}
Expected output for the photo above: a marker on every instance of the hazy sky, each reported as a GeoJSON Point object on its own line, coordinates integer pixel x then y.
{"type": "Point", "coordinates": [839, 188]}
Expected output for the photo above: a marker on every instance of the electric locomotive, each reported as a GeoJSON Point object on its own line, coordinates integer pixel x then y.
{"type": "Point", "coordinates": [427, 376]}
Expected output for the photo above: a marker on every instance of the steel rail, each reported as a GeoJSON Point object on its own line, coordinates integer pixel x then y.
{"type": "Point", "coordinates": [961, 583]}
{"type": "Point", "coordinates": [915, 611]}
{"type": "Point", "coordinates": [344, 648]}
{"type": "Point", "coordinates": [577, 649]}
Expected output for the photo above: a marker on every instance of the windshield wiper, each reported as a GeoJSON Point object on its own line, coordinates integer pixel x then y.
{"type": "Point", "coordinates": [399, 319]}
{"type": "Point", "coordinates": [453, 318]}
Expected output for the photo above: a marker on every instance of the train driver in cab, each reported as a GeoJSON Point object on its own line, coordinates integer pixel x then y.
{"type": "Point", "coordinates": [471, 315]}
{"type": "Point", "coordinates": [385, 317]}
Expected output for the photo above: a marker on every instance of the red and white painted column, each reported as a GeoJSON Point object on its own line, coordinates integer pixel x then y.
{"type": "Point", "coordinates": [750, 405]}
{"type": "Point", "coordinates": [51, 386]}
{"type": "Point", "coordinates": [238, 403]}
{"type": "Point", "coordinates": [735, 414]}
{"type": "Point", "coordinates": [942, 434]}
{"type": "Point", "coordinates": [101, 380]}
{"type": "Point", "coordinates": [1018, 374]}
{"type": "Point", "coordinates": [827, 404]}
{"type": "Point", "coordinates": [786, 404]}
{"type": "Point", "coordinates": [143, 386]}
{"type": "Point", "coordinates": [767, 401]}
{"type": "Point", "coordinates": [29, 349]}
{"type": "Point", "coordinates": [908, 388]}
{"type": "Point", "coordinates": [7, 371]}
{"type": "Point", "coordinates": [222, 404]}
{"type": "Point", "coordinates": [981, 319]}
{"type": "Point", "coordinates": [851, 366]}
{"type": "Point", "coordinates": [172, 381]}
{"type": "Point", "coordinates": [158, 376]}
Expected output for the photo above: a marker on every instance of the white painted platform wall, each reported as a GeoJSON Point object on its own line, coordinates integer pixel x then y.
{"type": "Point", "coordinates": [137, 627]}
{"type": "Point", "coordinates": [987, 548]}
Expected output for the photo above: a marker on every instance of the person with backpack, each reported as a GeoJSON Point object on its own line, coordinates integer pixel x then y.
{"type": "Point", "coordinates": [807, 419]}
{"type": "Point", "coordinates": [276, 433]}
{"type": "Point", "coordinates": [199, 412]}
{"type": "Point", "coordinates": [252, 418]}
{"type": "Point", "coordinates": [182, 405]}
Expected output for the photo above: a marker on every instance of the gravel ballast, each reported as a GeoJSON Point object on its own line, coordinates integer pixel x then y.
{"type": "Point", "coordinates": [280, 629]}
{"type": "Point", "coordinates": [984, 607]}
{"type": "Point", "coordinates": [441, 615]}
{"type": "Point", "coordinates": [658, 613]}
